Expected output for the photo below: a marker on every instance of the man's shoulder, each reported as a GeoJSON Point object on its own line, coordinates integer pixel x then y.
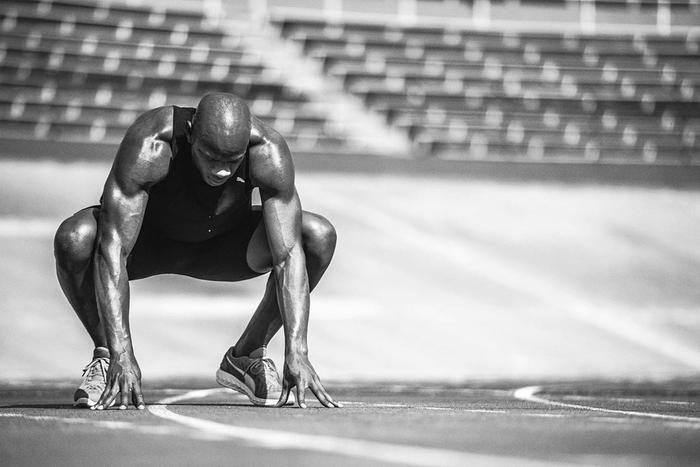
{"type": "Point", "coordinates": [156, 122]}
{"type": "Point", "coordinates": [269, 157]}
{"type": "Point", "coordinates": [144, 155]}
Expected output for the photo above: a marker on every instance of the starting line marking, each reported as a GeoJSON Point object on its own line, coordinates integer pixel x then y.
{"type": "Point", "coordinates": [528, 394]}
{"type": "Point", "coordinates": [373, 450]}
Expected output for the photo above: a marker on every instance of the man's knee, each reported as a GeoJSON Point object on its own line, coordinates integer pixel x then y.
{"type": "Point", "coordinates": [319, 236]}
{"type": "Point", "coordinates": [75, 240]}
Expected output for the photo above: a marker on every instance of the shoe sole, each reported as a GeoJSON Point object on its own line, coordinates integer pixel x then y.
{"type": "Point", "coordinates": [231, 382]}
{"type": "Point", "coordinates": [85, 403]}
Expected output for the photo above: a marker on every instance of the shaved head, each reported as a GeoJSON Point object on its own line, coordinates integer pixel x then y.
{"type": "Point", "coordinates": [222, 124]}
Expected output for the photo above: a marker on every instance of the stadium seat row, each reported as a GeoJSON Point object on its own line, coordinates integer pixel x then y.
{"type": "Point", "coordinates": [72, 71]}
{"type": "Point", "coordinates": [456, 92]}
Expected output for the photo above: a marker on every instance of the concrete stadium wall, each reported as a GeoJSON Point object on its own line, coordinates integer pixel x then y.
{"type": "Point", "coordinates": [672, 176]}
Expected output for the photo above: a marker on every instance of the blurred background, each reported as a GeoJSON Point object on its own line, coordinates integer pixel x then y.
{"type": "Point", "coordinates": [514, 182]}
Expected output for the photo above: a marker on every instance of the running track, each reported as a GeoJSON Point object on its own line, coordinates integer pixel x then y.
{"type": "Point", "coordinates": [434, 280]}
{"type": "Point", "coordinates": [574, 423]}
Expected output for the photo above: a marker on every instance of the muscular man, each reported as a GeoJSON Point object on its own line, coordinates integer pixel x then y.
{"type": "Point", "coordinates": [178, 201]}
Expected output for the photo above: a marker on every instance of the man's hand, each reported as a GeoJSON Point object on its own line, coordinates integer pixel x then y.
{"type": "Point", "coordinates": [123, 377]}
{"type": "Point", "coordinates": [299, 373]}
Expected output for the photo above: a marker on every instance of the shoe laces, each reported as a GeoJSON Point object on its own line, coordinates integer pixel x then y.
{"type": "Point", "coordinates": [95, 373]}
{"type": "Point", "coordinates": [265, 367]}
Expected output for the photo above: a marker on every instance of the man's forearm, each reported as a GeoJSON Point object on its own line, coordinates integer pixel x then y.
{"type": "Point", "coordinates": [293, 299]}
{"type": "Point", "coordinates": [112, 295]}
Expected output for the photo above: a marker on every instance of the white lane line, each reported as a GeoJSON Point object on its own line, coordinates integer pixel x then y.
{"type": "Point", "coordinates": [528, 394]}
{"type": "Point", "coordinates": [365, 449]}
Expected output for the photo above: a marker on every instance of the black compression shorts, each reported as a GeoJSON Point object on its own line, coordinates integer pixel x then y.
{"type": "Point", "coordinates": [221, 258]}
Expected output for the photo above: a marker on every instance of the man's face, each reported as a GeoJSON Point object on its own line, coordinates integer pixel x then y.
{"type": "Point", "coordinates": [215, 166]}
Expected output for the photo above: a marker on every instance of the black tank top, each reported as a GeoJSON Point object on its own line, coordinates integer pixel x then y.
{"type": "Point", "coordinates": [182, 206]}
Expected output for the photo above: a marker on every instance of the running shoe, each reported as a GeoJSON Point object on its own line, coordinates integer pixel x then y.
{"type": "Point", "coordinates": [94, 377]}
{"type": "Point", "coordinates": [255, 376]}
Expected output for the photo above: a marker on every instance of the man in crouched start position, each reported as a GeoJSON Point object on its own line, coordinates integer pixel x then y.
{"type": "Point", "coordinates": [178, 201]}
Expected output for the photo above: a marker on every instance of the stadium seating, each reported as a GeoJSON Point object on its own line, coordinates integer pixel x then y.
{"type": "Point", "coordinates": [463, 93]}
{"type": "Point", "coordinates": [72, 71]}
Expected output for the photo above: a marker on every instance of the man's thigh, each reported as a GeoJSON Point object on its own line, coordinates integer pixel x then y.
{"type": "Point", "coordinates": [222, 258]}
{"type": "Point", "coordinates": [314, 227]}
